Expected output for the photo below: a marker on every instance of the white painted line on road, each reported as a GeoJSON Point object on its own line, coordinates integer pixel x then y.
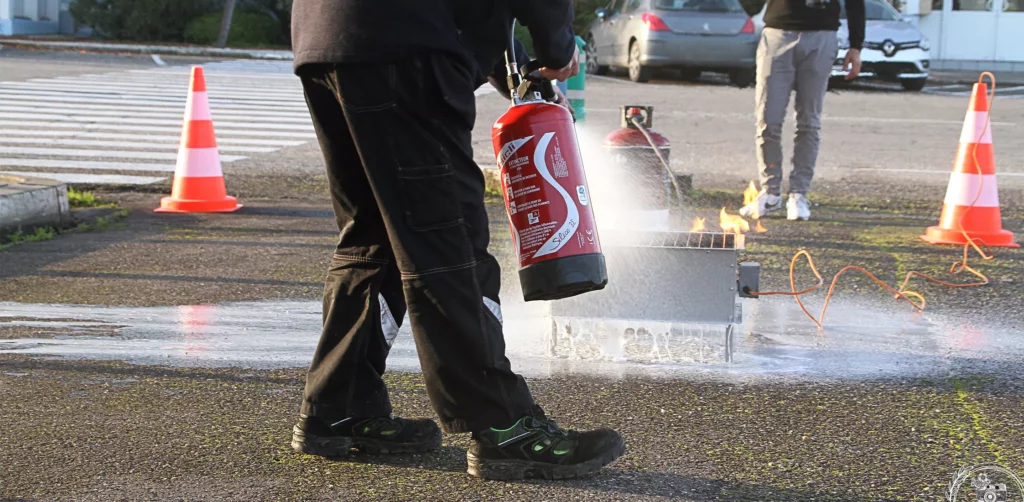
{"type": "Point", "coordinates": [909, 120]}
{"type": "Point", "coordinates": [922, 171]}
{"type": "Point", "coordinates": [105, 179]}
{"type": "Point", "coordinates": [135, 110]}
{"type": "Point", "coordinates": [169, 85]}
{"type": "Point", "coordinates": [79, 90]}
{"type": "Point", "coordinates": [172, 104]}
{"type": "Point", "coordinates": [143, 137]}
{"type": "Point", "coordinates": [213, 73]}
{"type": "Point", "coordinates": [133, 121]}
{"type": "Point", "coordinates": [158, 60]}
{"type": "Point", "coordinates": [112, 154]}
{"type": "Point", "coordinates": [123, 144]}
{"type": "Point", "coordinates": [124, 112]}
{"type": "Point", "coordinates": [950, 86]}
{"type": "Point", "coordinates": [83, 164]}
{"type": "Point", "coordinates": [121, 127]}
{"type": "Point", "coordinates": [1010, 89]}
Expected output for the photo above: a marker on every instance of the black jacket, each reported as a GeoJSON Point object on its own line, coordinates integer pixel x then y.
{"type": "Point", "coordinates": [381, 31]}
{"type": "Point", "coordinates": [797, 15]}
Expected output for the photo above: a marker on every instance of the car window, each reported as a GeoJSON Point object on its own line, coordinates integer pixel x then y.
{"type": "Point", "coordinates": [699, 5]}
{"type": "Point", "coordinates": [874, 10]}
{"type": "Point", "coordinates": [632, 5]}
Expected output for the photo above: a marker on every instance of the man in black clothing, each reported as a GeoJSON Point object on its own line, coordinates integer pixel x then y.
{"type": "Point", "coordinates": [797, 50]}
{"type": "Point", "coordinates": [390, 87]}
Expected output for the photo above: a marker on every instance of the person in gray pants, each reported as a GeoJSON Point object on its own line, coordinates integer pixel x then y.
{"type": "Point", "coordinates": [797, 49]}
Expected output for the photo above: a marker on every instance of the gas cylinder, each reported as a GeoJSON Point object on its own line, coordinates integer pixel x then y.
{"type": "Point", "coordinates": [643, 190]}
{"type": "Point", "coordinates": [548, 201]}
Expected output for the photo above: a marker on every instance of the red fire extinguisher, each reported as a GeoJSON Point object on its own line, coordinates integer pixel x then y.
{"type": "Point", "coordinates": [545, 189]}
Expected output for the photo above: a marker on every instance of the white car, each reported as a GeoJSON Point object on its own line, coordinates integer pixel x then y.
{"type": "Point", "coordinates": [894, 49]}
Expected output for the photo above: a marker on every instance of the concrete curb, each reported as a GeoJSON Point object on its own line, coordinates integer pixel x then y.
{"type": "Point", "coordinates": [26, 203]}
{"type": "Point", "coordinates": [1002, 79]}
{"type": "Point", "coordinates": [164, 50]}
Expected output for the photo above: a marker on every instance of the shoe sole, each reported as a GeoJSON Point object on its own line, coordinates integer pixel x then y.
{"type": "Point", "coordinates": [342, 446]}
{"type": "Point", "coordinates": [510, 469]}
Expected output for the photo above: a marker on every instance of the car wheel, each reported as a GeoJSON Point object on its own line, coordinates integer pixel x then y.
{"type": "Point", "coordinates": [593, 66]}
{"type": "Point", "coordinates": [637, 71]}
{"type": "Point", "coordinates": [913, 84]}
{"type": "Point", "coordinates": [741, 78]}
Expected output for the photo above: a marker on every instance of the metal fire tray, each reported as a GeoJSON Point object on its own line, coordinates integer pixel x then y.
{"type": "Point", "coordinates": [673, 277]}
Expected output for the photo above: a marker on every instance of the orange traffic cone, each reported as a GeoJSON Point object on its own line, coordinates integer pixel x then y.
{"type": "Point", "coordinates": [972, 198]}
{"type": "Point", "coordinates": [198, 180]}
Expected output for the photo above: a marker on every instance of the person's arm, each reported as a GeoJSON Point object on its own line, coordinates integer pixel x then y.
{"type": "Point", "coordinates": [550, 26]}
{"type": "Point", "coordinates": [855, 25]}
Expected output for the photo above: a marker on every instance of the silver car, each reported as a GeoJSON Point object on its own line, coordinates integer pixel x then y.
{"type": "Point", "coordinates": [688, 35]}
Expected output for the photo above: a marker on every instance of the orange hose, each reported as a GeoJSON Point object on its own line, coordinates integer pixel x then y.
{"type": "Point", "coordinates": [903, 293]}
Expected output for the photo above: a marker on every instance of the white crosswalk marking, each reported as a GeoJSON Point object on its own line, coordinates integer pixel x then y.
{"type": "Point", "coordinates": [124, 127]}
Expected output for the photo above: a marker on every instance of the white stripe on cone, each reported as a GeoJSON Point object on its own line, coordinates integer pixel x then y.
{"type": "Point", "coordinates": [575, 94]}
{"type": "Point", "coordinates": [963, 188]}
{"type": "Point", "coordinates": [198, 163]}
{"type": "Point", "coordinates": [975, 130]}
{"type": "Point", "coordinates": [198, 105]}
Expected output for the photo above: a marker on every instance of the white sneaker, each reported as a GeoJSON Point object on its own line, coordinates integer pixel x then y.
{"type": "Point", "coordinates": [797, 208]}
{"type": "Point", "coordinates": [766, 203]}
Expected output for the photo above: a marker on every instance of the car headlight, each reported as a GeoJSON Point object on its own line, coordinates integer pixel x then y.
{"type": "Point", "coordinates": [844, 43]}
{"type": "Point", "coordinates": [925, 44]}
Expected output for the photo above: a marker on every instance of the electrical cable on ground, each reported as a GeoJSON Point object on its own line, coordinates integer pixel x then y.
{"type": "Point", "coordinates": [902, 293]}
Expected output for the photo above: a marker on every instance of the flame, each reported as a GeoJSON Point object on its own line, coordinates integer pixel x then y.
{"type": "Point", "coordinates": [732, 223]}
{"type": "Point", "coordinates": [749, 197]}
{"type": "Point", "coordinates": [760, 228]}
{"type": "Point", "coordinates": [698, 225]}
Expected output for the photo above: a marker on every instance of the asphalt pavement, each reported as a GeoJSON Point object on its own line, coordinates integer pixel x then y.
{"type": "Point", "coordinates": [162, 356]}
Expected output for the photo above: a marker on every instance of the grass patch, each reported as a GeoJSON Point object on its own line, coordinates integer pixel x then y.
{"type": "Point", "coordinates": [41, 234]}
{"type": "Point", "coordinates": [78, 199]}
{"type": "Point", "coordinates": [103, 222]}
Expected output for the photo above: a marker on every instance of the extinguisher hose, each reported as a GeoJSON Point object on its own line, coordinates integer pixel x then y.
{"type": "Point", "coordinates": [510, 52]}
{"type": "Point", "coordinates": [664, 163]}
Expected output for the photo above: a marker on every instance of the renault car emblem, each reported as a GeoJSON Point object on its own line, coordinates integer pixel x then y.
{"type": "Point", "coordinates": [707, 27]}
{"type": "Point", "coordinates": [889, 48]}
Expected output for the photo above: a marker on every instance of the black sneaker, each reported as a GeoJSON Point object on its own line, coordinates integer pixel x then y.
{"type": "Point", "coordinates": [536, 447]}
{"type": "Point", "coordinates": [376, 435]}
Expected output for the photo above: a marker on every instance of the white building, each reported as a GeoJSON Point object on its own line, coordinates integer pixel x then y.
{"type": "Point", "coordinates": [35, 17]}
{"type": "Point", "coordinates": [976, 35]}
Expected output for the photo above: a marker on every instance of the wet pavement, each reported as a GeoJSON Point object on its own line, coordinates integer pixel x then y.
{"type": "Point", "coordinates": [862, 340]}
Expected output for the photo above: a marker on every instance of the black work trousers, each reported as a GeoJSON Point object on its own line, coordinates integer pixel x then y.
{"type": "Point", "coordinates": [409, 202]}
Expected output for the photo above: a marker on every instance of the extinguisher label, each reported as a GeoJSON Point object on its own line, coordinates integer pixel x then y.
{"type": "Point", "coordinates": [510, 149]}
{"type": "Point", "coordinates": [544, 197]}
{"type": "Point", "coordinates": [572, 218]}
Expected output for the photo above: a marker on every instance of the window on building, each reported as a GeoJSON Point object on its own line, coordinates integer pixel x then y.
{"type": "Point", "coordinates": [1013, 6]}
{"type": "Point", "coordinates": [973, 5]}
{"type": "Point", "coordinates": [937, 5]}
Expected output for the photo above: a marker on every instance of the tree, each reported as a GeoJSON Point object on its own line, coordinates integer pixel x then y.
{"type": "Point", "coordinates": [225, 23]}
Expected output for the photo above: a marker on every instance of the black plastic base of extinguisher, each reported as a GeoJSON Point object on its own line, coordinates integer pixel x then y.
{"type": "Point", "coordinates": [563, 277]}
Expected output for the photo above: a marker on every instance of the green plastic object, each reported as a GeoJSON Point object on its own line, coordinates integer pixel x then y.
{"type": "Point", "coordinates": [576, 85]}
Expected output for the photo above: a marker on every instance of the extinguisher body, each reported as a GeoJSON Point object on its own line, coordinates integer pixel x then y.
{"type": "Point", "coordinates": [548, 202]}
{"type": "Point", "coordinates": [643, 189]}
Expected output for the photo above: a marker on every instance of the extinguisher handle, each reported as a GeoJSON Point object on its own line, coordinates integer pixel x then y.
{"type": "Point", "coordinates": [531, 72]}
